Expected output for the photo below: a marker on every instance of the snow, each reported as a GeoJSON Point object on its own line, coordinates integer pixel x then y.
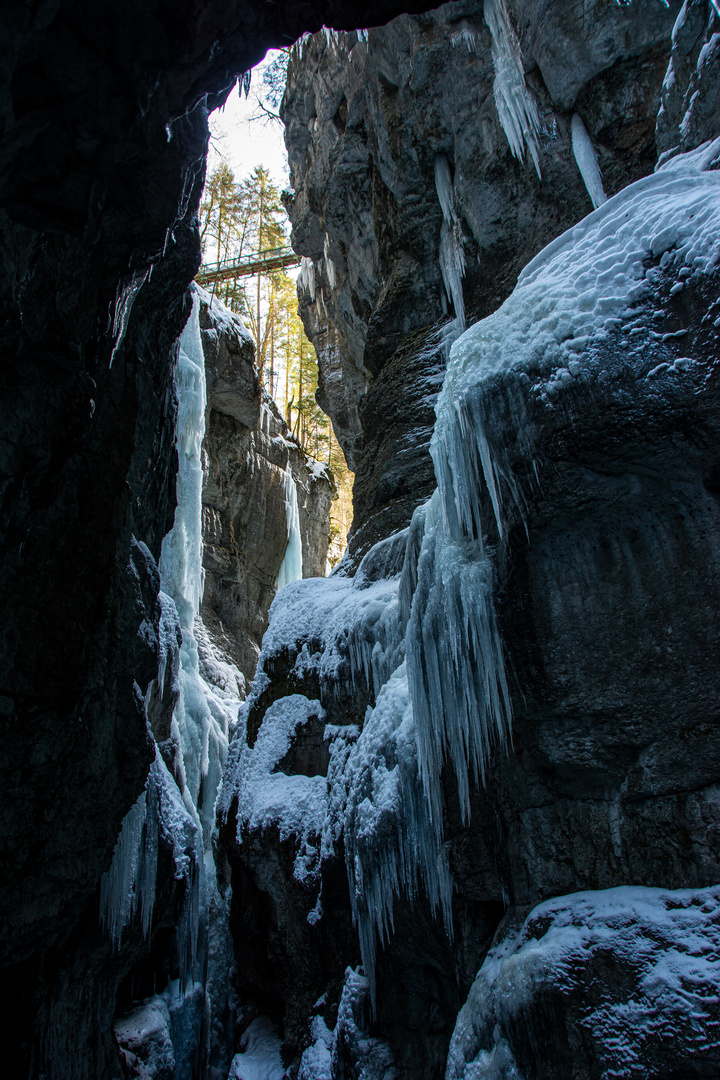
{"type": "Point", "coordinates": [319, 470]}
{"type": "Point", "coordinates": [415, 629]}
{"type": "Point", "coordinates": [296, 805]}
{"type": "Point", "coordinates": [316, 1062]}
{"type": "Point", "coordinates": [291, 568]}
{"type": "Point", "coordinates": [261, 1058]}
{"type": "Point", "coordinates": [564, 301]}
{"type": "Point", "coordinates": [666, 943]}
{"type": "Point", "coordinates": [517, 108]}
{"type": "Point", "coordinates": [224, 321]}
{"type": "Point", "coordinates": [587, 161]}
{"type": "Point", "coordinates": [352, 631]}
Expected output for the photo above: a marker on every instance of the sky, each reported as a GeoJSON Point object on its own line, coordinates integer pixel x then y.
{"type": "Point", "coordinates": [243, 142]}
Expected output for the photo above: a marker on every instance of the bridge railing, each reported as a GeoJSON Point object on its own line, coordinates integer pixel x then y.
{"type": "Point", "coordinates": [272, 258]}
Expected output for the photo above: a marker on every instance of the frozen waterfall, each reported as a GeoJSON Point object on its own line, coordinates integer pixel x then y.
{"type": "Point", "coordinates": [291, 568]}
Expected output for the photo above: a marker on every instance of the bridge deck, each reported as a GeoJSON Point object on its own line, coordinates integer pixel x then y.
{"type": "Point", "coordinates": [247, 266]}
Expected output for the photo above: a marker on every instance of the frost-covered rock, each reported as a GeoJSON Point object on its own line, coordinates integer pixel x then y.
{"type": "Point", "coordinates": [622, 983]}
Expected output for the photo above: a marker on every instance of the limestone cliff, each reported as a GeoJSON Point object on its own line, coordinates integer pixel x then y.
{"type": "Point", "coordinates": [248, 449]}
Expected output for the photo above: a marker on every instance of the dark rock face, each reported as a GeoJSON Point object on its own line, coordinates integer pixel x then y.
{"type": "Point", "coordinates": [365, 126]}
{"type": "Point", "coordinates": [102, 140]}
{"type": "Point", "coordinates": [248, 449]}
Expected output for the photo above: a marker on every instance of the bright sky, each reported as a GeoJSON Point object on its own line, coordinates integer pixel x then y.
{"type": "Point", "coordinates": [243, 142]}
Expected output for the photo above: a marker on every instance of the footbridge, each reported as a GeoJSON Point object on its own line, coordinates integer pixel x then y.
{"type": "Point", "coordinates": [259, 262]}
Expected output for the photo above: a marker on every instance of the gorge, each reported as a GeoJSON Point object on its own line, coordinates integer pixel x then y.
{"type": "Point", "coordinates": [453, 810]}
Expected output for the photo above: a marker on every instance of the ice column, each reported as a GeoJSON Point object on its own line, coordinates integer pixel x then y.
{"type": "Point", "coordinates": [452, 255]}
{"type": "Point", "coordinates": [587, 162]}
{"type": "Point", "coordinates": [200, 723]}
{"type": "Point", "coordinates": [306, 277]}
{"type": "Point", "coordinates": [291, 568]}
{"type": "Point", "coordinates": [516, 105]}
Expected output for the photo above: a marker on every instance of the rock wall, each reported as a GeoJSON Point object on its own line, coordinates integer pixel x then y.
{"type": "Point", "coordinates": [248, 448]}
{"type": "Point", "coordinates": [557, 596]}
{"type": "Point", "coordinates": [368, 123]}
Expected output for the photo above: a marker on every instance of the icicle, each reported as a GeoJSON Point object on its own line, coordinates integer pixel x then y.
{"type": "Point", "coordinates": [452, 268]}
{"type": "Point", "coordinates": [291, 567]}
{"type": "Point", "coordinates": [306, 277]}
{"type": "Point", "coordinates": [516, 105]}
{"type": "Point", "coordinates": [126, 295]}
{"type": "Point", "coordinates": [587, 162]}
{"type": "Point", "coordinates": [329, 264]}
{"type": "Point", "coordinates": [118, 888]}
{"type": "Point", "coordinates": [444, 188]}
{"type": "Point", "coordinates": [452, 254]}
{"type": "Point", "coordinates": [456, 672]}
{"type": "Point", "coordinates": [244, 83]}
{"type": "Point", "coordinates": [129, 885]}
{"type": "Point", "coordinates": [464, 33]}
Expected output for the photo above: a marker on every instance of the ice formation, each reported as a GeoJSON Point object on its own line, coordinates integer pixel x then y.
{"type": "Point", "coordinates": [201, 719]}
{"type": "Point", "coordinates": [463, 32]}
{"type": "Point", "coordinates": [575, 291]}
{"type": "Point", "coordinates": [455, 663]}
{"type": "Point", "coordinates": [179, 810]}
{"type": "Point", "coordinates": [329, 264]}
{"type": "Point", "coordinates": [291, 568]}
{"type": "Point", "coordinates": [260, 1057]}
{"type": "Point", "coordinates": [516, 105]}
{"type": "Point", "coordinates": [587, 162]}
{"type": "Point", "coordinates": [306, 277]}
{"type": "Point", "coordinates": [452, 254]}
{"type": "Point", "coordinates": [126, 295]}
{"type": "Point", "coordinates": [666, 943]}
{"type": "Point", "coordinates": [391, 844]}
{"type": "Point", "coordinates": [129, 885]}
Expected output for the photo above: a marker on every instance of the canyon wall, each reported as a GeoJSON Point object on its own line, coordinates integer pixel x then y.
{"type": "Point", "coordinates": [508, 691]}
{"type": "Point", "coordinates": [103, 134]}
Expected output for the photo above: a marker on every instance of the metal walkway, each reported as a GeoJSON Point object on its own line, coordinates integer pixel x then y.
{"type": "Point", "coordinates": [260, 262]}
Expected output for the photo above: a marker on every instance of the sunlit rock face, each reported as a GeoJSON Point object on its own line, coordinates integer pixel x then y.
{"type": "Point", "coordinates": [366, 124]}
